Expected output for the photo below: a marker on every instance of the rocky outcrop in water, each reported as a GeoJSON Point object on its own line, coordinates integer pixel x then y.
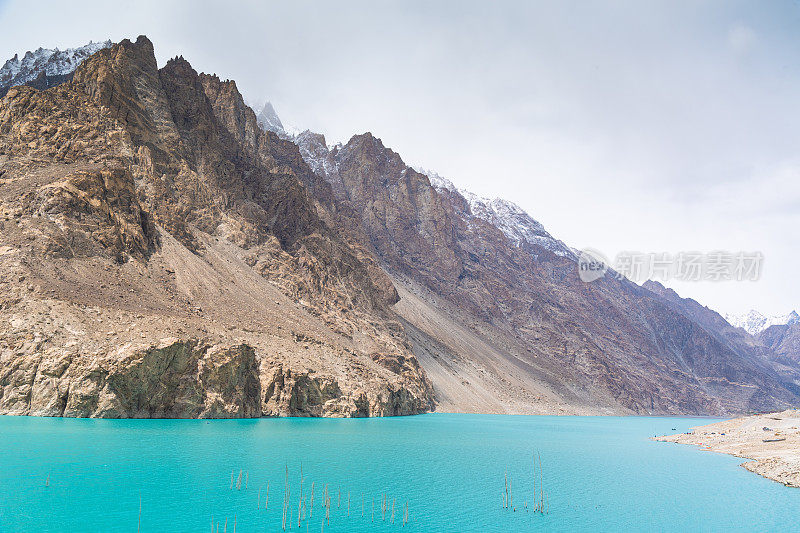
{"type": "Point", "coordinates": [176, 379]}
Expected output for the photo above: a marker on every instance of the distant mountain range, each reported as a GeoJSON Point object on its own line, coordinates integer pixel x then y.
{"type": "Point", "coordinates": [168, 251]}
{"type": "Point", "coordinates": [44, 67]}
{"type": "Point", "coordinates": [754, 322]}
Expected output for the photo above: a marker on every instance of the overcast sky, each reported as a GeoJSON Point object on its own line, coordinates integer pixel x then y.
{"type": "Point", "coordinates": [658, 127]}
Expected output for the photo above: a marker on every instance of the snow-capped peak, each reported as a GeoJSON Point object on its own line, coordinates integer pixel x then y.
{"type": "Point", "coordinates": [515, 223]}
{"type": "Point", "coordinates": [437, 181]}
{"type": "Point", "coordinates": [754, 322]}
{"type": "Point", "coordinates": [51, 62]}
{"type": "Point", "coordinates": [268, 119]}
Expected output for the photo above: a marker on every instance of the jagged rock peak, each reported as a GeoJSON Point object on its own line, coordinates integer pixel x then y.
{"type": "Point", "coordinates": [373, 149]}
{"type": "Point", "coordinates": [311, 136]}
{"type": "Point", "coordinates": [179, 60]}
{"type": "Point", "coordinates": [315, 151]}
{"type": "Point", "coordinates": [268, 119]}
{"type": "Point", "coordinates": [367, 138]}
{"type": "Point", "coordinates": [519, 227]}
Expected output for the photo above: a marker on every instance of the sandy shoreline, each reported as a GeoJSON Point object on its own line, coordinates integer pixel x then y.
{"type": "Point", "coordinates": [771, 440]}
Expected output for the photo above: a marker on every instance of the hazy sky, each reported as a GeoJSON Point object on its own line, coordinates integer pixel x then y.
{"type": "Point", "coordinates": [658, 127]}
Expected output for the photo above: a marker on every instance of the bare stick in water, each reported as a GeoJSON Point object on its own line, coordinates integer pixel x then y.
{"type": "Point", "coordinates": [534, 483]}
{"type": "Point", "coordinates": [505, 502]}
{"type": "Point", "coordinates": [541, 483]}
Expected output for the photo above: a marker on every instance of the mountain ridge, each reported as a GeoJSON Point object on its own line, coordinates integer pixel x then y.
{"type": "Point", "coordinates": [45, 68]}
{"type": "Point", "coordinates": [272, 276]}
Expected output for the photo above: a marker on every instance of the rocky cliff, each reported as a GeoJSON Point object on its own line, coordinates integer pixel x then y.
{"type": "Point", "coordinates": [162, 256]}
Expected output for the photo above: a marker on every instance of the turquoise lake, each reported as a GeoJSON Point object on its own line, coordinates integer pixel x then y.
{"type": "Point", "coordinates": [599, 474]}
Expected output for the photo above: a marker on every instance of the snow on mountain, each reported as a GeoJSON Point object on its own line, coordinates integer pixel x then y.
{"type": "Point", "coordinates": [436, 180]}
{"type": "Point", "coordinates": [754, 322]}
{"type": "Point", "coordinates": [45, 61]}
{"type": "Point", "coordinates": [506, 216]}
{"type": "Point", "coordinates": [316, 153]}
{"type": "Point", "coordinates": [268, 119]}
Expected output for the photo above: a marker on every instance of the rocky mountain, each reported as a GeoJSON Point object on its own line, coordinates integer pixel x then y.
{"type": "Point", "coordinates": [756, 349]}
{"type": "Point", "coordinates": [754, 322]}
{"type": "Point", "coordinates": [784, 341]}
{"type": "Point", "coordinates": [500, 320]}
{"type": "Point", "coordinates": [45, 68]}
{"type": "Point", "coordinates": [166, 253]}
{"type": "Point", "coordinates": [162, 256]}
{"type": "Point", "coordinates": [703, 315]}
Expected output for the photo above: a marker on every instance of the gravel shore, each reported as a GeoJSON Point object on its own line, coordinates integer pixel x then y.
{"type": "Point", "coordinates": [771, 440]}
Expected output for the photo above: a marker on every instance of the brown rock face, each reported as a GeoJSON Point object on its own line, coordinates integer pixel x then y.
{"type": "Point", "coordinates": [174, 380]}
{"type": "Point", "coordinates": [147, 203]}
{"type": "Point", "coordinates": [186, 380]}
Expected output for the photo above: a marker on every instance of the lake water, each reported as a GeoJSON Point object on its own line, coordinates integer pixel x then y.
{"type": "Point", "coordinates": [599, 474]}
